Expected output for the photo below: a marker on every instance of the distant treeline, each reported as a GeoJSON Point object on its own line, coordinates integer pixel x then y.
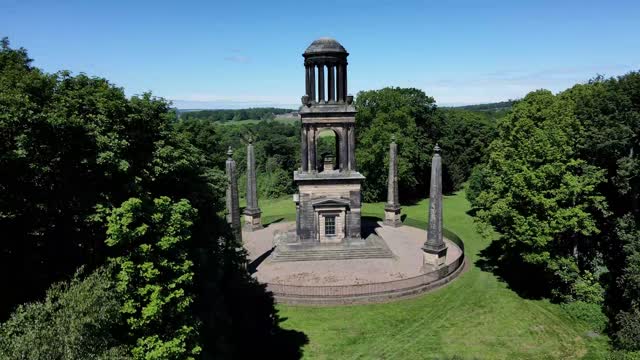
{"type": "Point", "coordinates": [223, 115]}
{"type": "Point", "coordinates": [503, 105]}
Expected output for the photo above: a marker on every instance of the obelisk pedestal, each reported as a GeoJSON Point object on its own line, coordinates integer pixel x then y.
{"type": "Point", "coordinates": [233, 203]}
{"type": "Point", "coordinates": [434, 249]}
{"type": "Point", "coordinates": [392, 207]}
{"type": "Point", "coordinates": [251, 211]}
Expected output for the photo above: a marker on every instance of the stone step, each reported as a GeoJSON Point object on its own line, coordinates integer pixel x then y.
{"type": "Point", "coordinates": [333, 254]}
{"type": "Point", "coordinates": [283, 256]}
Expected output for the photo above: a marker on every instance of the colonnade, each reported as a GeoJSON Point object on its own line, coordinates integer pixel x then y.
{"type": "Point", "coordinates": [336, 79]}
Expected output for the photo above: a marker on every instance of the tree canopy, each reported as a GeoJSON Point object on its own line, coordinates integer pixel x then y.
{"type": "Point", "coordinates": [83, 167]}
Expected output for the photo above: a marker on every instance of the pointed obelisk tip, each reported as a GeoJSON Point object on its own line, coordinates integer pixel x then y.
{"type": "Point", "coordinates": [437, 149]}
{"type": "Point", "coordinates": [229, 152]}
{"type": "Point", "coordinates": [393, 138]}
{"type": "Point", "coordinates": [250, 139]}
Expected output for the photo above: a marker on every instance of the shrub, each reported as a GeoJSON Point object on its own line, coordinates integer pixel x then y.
{"type": "Point", "coordinates": [588, 313]}
{"type": "Point", "coordinates": [477, 182]}
{"type": "Point", "coordinates": [76, 320]}
{"type": "Point", "coordinates": [628, 335]}
{"type": "Point", "coordinates": [624, 355]}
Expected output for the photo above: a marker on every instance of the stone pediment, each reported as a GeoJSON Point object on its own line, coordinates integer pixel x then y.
{"type": "Point", "coordinates": [330, 202]}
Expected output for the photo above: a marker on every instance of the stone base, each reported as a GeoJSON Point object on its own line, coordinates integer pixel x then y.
{"type": "Point", "coordinates": [392, 216]}
{"type": "Point", "coordinates": [435, 259]}
{"type": "Point", "coordinates": [289, 249]}
{"type": "Point", "coordinates": [252, 222]}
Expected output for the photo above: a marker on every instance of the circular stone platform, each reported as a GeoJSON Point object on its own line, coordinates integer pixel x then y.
{"type": "Point", "coordinates": [354, 280]}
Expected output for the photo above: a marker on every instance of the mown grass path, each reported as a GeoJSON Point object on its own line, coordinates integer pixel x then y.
{"type": "Point", "coordinates": [475, 316]}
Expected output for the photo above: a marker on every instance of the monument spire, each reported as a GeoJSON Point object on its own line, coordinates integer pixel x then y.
{"type": "Point", "coordinates": [435, 250]}
{"type": "Point", "coordinates": [233, 204]}
{"type": "Point", "coordinates": [392, 207]}
{"type": "Point", "coordinates": [251, 211]}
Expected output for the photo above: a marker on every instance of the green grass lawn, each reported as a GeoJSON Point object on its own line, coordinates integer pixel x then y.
{"type": "Point", "coordinates": [475, 316]}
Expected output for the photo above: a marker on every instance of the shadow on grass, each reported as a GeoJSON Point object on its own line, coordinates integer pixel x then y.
{"type": "Point", "coordinates": [522, 278]}
{"type": "Point", "coordinates": [247, 324]}
{"type": "Point", "coordinates": [472, 212]}
{"type": "Point", "coordinates": [287, 344]}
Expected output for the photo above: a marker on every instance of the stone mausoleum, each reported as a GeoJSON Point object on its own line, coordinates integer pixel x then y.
{"type": "Point", "coordinates": [332, 254]}
{"type": "Point", "coordinates": [328, 201]}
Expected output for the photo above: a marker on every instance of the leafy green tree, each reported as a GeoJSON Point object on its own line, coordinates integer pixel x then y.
{"type": "Point", "coordinates": [73, 149]}
{"type": "Point", "coordinates": [478, 181]}
{"type": "Point", "coordinates": [542, 199]}
{"type": "Point", "coordinates": [628, 324]}
{"type": "Point", "coordinates": [155, 275]}
{"type": "Point", "coordinates": [466, 136]}
{"type": "Point", "coordinates": [609, 111]}
{"type": "Point", "coordinates": [76, 321]}
{"type": "Point", "coordinates": [413, 118]}
{"type": "Point", "coordinates": [410, 115]}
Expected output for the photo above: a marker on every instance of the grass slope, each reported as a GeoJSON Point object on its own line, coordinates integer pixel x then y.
{"type": "Point", "coordinates": [476, 316]}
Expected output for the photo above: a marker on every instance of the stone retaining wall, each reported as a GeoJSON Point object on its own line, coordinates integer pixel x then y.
{"type": "Point", "coordinates": [370, 293]}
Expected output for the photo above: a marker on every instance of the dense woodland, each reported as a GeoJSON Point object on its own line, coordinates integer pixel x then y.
{"type": "Point", "coordinates": [224, 115]}
{"type": "Point", "coordinates": [118, 218]}
{"type": "Point", "coordinates": [111, 208]}
{"type": "Point", "coordinates": [561, 186]}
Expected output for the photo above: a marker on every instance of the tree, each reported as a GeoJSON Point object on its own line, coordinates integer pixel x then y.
{"type": "Point", "coordinates": [418, 124]}
{"type": "Point", "coordinates": [409, 114]}
{"type": "Point", "coordinates": [609, 111]}
{"type": "Point", "coordinates": [542, 199]}
{"type": "Point", "coordinates": [73, 150]}
{"type": "Point", "coordinates": [77, 320]}
{"type": "Point", "coordinates": [155, 276]}
{"type": "Point", "coordinates": [465, 138]}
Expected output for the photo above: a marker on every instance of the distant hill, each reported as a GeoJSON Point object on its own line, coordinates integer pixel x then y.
{"type": "Point", "coordinates": [226, 115]}
{"type": "Point", "coordinates": [497, 106]}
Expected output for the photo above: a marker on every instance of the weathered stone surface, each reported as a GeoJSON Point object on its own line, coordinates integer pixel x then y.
{"type": "Point", "coordinates": [251, 211]}
{"type": "Point", "coordinates": [435, 250]}
{"type": "Point", "coordinates": [233, 202]}
{"type": "Point", "coordinates": [392, 207]}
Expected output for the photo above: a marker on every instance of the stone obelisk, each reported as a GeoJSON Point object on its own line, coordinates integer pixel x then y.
{"type": "Point", "coordinates": [233, 203]}
{"type": "Point", "coordinates": [251, 211]}
{"type": "Point", "coordinates": [435, 250]}
{"type": "Point", "coordinates": [392, 207]}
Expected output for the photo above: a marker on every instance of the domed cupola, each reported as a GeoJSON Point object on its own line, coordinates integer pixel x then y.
{"type": "Point", "coordinates": [325, 55]}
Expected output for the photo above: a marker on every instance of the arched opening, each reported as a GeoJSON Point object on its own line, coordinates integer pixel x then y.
{"type": "Point", "coordinates": [327, 152]}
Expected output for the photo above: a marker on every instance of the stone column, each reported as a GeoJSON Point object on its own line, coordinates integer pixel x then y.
{"type": "Point", "coordinates": [435, 250]}
{"type": "Point", "coordinates": [233, 203]}
{"type": "Point", "coordinates": [337, 162]}
{"type": "Point", "coordinates": [321, 83]}
{"type": "Point", "coordinates": [343, 140]}
{"type": "Point", "coordinates": [304, 152]}
{"type": "Point", "coordinates": [340, 87]}
{"type": "Point", "coordinates": [312, 83]}
{"type": "Point", "coordinates": [306, 81]}
{"type": "Point", "coordinates": [312, 150]}
{"type": "Point", "coordinates": [251, 211]}
{"type": "Point", "coordinates": [344, 83]}
{"type": "Point", "coordinates": [332, 84]}
{"type": "Point", "coordinates": [392, 207]}
{"type": "Point", "coordinates": [352, 148]}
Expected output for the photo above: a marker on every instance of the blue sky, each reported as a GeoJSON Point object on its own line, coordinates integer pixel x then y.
{"type": "Point", "coordinates": [229, 54]}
